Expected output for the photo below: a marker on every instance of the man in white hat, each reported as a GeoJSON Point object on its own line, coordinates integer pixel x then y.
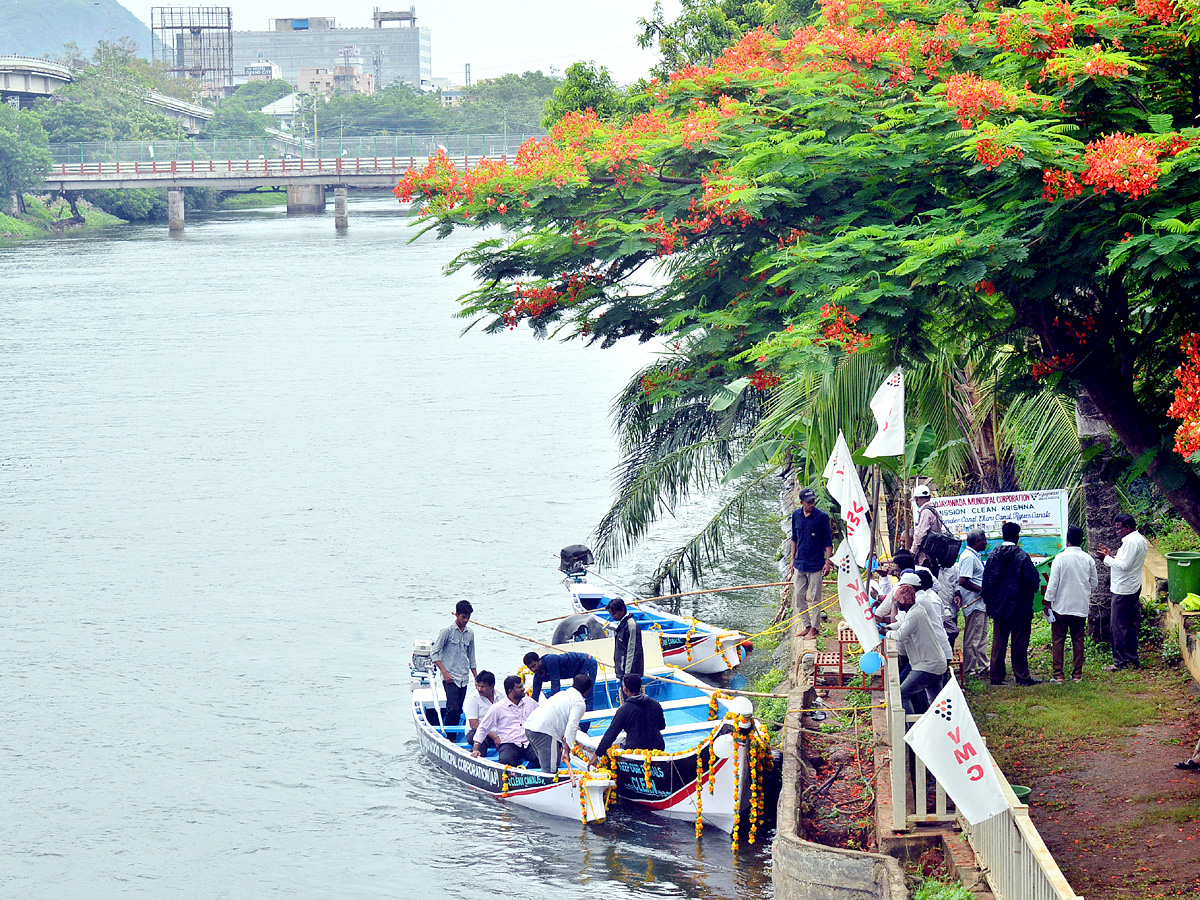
{"type": "Point", "coordinates": [929, 521]}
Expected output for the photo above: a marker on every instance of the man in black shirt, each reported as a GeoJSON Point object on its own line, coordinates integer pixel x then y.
{"type": "Point", "coordinates": [627, 641]}
{"type": "Point", "coordinates": [812, 548]}
{"type": "Point", "coordinates": [1009, 582]}
{"type": "Point", "coordinates": [640, 717]}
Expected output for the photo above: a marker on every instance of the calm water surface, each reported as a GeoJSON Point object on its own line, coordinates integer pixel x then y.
{"type": "Point", "coordinates": [242, 471]}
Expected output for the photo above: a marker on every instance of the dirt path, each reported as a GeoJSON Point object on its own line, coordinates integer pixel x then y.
{"type": "Point", "coordinates": [1121, 821]}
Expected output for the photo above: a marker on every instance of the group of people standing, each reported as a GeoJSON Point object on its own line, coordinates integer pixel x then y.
{"type": "Point", "coordinates": [927, 597]}
{"type": "Point", "coordinates": [525, 729]}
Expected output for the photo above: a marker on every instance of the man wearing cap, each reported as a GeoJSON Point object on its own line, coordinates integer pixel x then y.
{"type": "Point", "coordinates": [929, 521]}
{"type": "Point", "coordinates": [812, 550]}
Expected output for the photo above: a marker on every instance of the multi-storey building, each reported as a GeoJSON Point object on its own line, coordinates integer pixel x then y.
{"type": "Point", "coordinates": [392, 49]}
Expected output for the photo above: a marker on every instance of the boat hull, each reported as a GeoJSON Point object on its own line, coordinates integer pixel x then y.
{"type": "Point", "coordinates": [689, 644]}
{"type": "Point", "coordinates": [580, 797]}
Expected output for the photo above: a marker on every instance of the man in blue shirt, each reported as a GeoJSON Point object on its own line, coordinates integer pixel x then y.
{"type": "Point", "coordinates": [554, 666]}
{"type": "Point", "coordinates": [812, 549]}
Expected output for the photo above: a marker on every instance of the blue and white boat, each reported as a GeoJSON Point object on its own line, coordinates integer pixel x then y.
{"type": "Point", "coordinates": [575, 792]}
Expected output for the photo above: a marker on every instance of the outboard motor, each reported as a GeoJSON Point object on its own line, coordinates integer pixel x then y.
{"type": "Point", "coordinates": [581, 627]}
{"type": "Point", "coordinates": [421, 666]}
{"type": "Point", "coordinates": [574, 560]}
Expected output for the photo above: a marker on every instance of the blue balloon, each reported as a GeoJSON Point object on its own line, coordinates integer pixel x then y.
{"type": "Point", "coordinates": [870, 662]}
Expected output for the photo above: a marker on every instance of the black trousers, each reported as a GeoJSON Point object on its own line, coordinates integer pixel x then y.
{"type": "Point", "coordinates": [455, 696]}
{"type": "Point", "coordinates": [1126, 616]}
{"type": "Point", "coordinates": [515, 754]}
{"type": "Point", "coordinates": [1016, 627]}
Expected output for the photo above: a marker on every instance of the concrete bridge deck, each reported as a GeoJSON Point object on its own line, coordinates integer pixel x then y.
{"type": "Point", "coordinates": [305, 180]}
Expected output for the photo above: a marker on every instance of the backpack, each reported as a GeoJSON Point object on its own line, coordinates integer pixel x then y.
{"type": "Point", "coordinates": [941, 546]}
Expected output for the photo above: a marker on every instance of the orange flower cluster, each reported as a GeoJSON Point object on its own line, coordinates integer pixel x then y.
{"type": "Point", "coordinates": [974, 98]}
{"type": "Point", "coordinates": [1051, 364]}
{"type": "Point", "coordinates": [1059, 183]}
{"type": "Point", "coordinates": [1186, 406]}
{"type": "Point", "coordinates": [764, 380]}
{"type": "Point", "coordinates": [1163, 10]}
{"type": "Point", "coordinates": [1124, 163]}
{"type": "Point", "coordinates": [652, 382]}
{"type": "Point", "coordinates": [531, 302]}
{"type": "Point", "coordinates": [990, 154]}
{"type": "Point", "coordinates": [838, 328]}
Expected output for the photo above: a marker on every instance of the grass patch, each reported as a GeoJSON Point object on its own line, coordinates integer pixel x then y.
{"type": "Point", "coordinates": [1176, 815]}
{"type": "Point", "coordinates": [11, 227]}
{"type": "Point", "coordinates": [770, 710]}
{"type": "Point", "coordinates": [932, 889]}
{"type": "Point", "coordinates": [253, 200]}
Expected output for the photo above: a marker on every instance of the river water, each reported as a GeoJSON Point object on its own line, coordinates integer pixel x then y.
{"type": "Point", "coordinates": [242, 470]}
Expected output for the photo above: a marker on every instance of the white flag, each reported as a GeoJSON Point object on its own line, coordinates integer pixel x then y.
{"type": "Point", "coordinates": [844, 487]}
{"type": "Point", "coordinates": [888, 407]}
{"type": "Point", "coordinates": [853, 598]}
{"type": "Point", "coordinates": [947, 740]}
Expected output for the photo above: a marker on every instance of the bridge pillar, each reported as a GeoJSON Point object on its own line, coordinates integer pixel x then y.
{"type": "Point", "coordinates": [175, 209]}
{"type": "Point", "coordinates": [305, 198]}
{"type": "Point", "coordinates": [340, 217]}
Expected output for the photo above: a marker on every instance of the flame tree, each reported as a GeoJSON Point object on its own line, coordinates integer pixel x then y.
{"type": "Point", "coordinates": [910, 176]}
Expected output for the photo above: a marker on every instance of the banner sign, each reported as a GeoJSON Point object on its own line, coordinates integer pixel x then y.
{"type": "Point", "coordinates": [853, 599]}
{"type": "Point", "coordinates": [1042, 516]}
{"type": "Point", "coordinates": [947, 740]}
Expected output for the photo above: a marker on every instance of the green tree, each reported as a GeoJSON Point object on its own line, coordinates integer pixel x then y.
{"type": "Point", "coordinates": [1016, 178]}
{"type": "Point", "coordinates": [586, 86]}
{"type": "Point", "coordinates": [705, 28]}
{"type": "Point", "coordinates": [257, 94]}
{"type": "Point", "coordinates": [515, 103]}
{"type": "Point", "coordinates": [234, 119]}
{"type": "Point", "coordinates": [24, 158]}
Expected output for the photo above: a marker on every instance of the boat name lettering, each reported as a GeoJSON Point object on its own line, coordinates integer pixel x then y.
{"type": "Point", "coordinates": [637, 768]}
{"type": "Point", "coordinates": [469, 766]}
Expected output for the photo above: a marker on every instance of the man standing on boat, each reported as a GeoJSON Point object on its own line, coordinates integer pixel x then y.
{"type": "Point", "coordinates": [627, 646]}
{"type": "Point", "coordinates": [812, 550]}
{"type": "Point", "coordinates": [555, 666]}
{"type": "Point", "coordinates": [505, 722]}
{"type": "Point", "coordinates": [454, 655]}
{"type": "Point", "coordinates": [552, 727]}
{"type": "Point", "coordinates": [640, 717]}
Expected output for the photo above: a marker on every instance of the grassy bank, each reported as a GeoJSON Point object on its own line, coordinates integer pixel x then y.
{"type": "Point", "coordinates": [46, 216]}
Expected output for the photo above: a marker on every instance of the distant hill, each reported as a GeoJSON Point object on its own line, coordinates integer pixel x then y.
{"type": "Point", "coordinates": [41, 27]}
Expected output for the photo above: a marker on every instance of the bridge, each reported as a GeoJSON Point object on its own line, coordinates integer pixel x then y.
{"type": "Point", "coordinates": [248, 164]}
{"type": "Point", "coordinates": [27, 78]}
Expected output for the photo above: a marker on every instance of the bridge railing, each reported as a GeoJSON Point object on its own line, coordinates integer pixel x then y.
{"type": "Point", "coordinates": [277, 167]}
{"type": "Point", "coordinates": [406, 146]}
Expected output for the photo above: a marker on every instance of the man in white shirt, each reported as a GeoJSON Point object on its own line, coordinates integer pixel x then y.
{"type": "Point", "coordinates": [552, 727]}
{"type": "Point", "coordinates": [974, 611]}
{"type": "Point", "coordinates": [918, 637]}
{"type": "Point", "coordinates": [1072, 580]}
{"type": "Point", "coordinates": [1126, 587]}
{"type": "Point", "coordinates": [479, 702]}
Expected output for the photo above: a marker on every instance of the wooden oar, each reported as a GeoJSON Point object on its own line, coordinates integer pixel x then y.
{"type": "Point", "coordinates": [740, 587]}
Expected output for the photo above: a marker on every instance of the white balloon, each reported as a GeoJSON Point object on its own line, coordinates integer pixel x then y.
{"type": "Point", "coordinates": [723, 746]}
{"type": "Point", "coordinates": [741, 706]}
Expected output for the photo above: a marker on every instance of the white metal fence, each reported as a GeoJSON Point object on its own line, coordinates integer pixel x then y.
{"type": "Point", "coordinates": [1014, 859]}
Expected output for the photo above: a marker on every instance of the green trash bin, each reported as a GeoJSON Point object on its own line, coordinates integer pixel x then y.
{"type": "Point", "coordinates": [1183, 574]}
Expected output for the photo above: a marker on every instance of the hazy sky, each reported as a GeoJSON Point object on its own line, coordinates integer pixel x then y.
{"type": "Point", "coordinates": [493, 37]}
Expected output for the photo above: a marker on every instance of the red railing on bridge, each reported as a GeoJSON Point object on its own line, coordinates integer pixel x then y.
{"type": "Point", "coordinates": [338, 165]}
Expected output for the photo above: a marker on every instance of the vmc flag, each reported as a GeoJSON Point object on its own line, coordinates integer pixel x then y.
{"type": "Point", "coordinates": [844, 487]}
{"type": "Point", "coordinates": [853, 599]}
{"type": "Point", "coordinates": [947, 740]}
{"type": "Point", "coordinates": [888, 407]}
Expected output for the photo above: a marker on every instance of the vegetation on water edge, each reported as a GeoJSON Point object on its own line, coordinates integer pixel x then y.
{"type": "Point", "coordinates": [47, 216]}
{"type": "Point", "coordinates": [253, 200]}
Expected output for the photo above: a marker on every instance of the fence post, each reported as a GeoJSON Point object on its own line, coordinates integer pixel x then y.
{"type": "Point", "coordinates": [895, 719]}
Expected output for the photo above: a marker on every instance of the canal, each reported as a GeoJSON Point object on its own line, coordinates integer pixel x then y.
{"type": "Point", "coordinates": [243, 470]}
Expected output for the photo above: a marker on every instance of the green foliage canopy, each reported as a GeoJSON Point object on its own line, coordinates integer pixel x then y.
{"type": "Point", "coordinates": [927, 174]}
{"type": "Point", "coordinates": [23, 155]}
{"type": "Point", "coordinates": [586, 86]}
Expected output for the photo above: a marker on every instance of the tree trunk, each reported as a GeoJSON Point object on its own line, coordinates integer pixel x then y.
{"type": "Point", "coordinates": [1102, 503]}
